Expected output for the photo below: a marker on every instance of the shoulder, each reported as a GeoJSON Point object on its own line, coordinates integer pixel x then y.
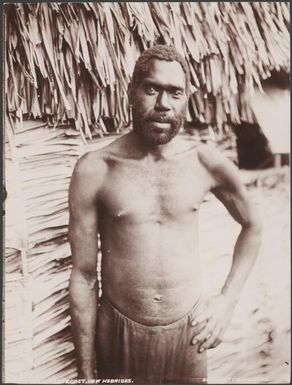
{"type": "Point", "coordinates": [93, 165]}
{"type": "Point", "coordinates": [89, 172]}
{"type": "Point", "coordinates": [210, 157]}
{"type": "Point", "coordinates": [223, 171]}
{"type": "Point", "coordinates": [90, 164]}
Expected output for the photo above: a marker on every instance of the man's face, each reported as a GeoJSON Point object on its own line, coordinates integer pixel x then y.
{"type": "Point", "coordinates": [159, 102]}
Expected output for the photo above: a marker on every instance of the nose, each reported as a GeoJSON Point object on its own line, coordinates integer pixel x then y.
{"type": "Point", "coordinates": [162, 102]}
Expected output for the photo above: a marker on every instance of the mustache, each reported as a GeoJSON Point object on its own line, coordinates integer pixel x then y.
{"type": "Point", "coordinates": [161, 118]}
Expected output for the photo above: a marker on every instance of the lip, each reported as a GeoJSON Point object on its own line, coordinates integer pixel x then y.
{"type": "Point", "coordinates": [161, 124]}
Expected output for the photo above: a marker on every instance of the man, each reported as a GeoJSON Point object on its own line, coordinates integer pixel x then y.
{"type": "Point", "coordinates": [142, 194]}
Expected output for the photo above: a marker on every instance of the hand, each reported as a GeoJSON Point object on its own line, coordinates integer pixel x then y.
{"type": "Point", "coordinates": [210, 320]}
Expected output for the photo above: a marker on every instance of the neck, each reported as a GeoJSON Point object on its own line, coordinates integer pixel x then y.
{"type": "Point", "coordinates": [157, 151]}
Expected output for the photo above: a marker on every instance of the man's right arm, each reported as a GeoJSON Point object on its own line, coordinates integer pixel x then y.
{"type": "Point", "coordinates": [83, 230]}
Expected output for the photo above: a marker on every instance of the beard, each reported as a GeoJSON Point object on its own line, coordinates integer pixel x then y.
{"type": "Point", "coordinates": [144, 126]}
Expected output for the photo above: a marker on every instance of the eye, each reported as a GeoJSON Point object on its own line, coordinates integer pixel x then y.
{"type": "Point", "coordinates": [176, 93]}
{"type": "Point", "coordinates": [150, 90]}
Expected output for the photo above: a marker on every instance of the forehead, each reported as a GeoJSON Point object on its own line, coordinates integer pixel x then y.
{"type": "Point", "coordinates": [165, 73]}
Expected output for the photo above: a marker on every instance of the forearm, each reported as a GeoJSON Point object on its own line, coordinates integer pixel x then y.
{"type": "Point", "coordinates": [244, 256]}
{"type": "Point", "coordinates": [83, 308]}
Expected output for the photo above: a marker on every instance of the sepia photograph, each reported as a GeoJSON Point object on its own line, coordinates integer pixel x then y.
{"type": "Point", "coordinates": [146, 193]}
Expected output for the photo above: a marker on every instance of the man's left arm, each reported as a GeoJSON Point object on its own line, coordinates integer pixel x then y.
{"type": "Point", "coordinates": [213, 316]}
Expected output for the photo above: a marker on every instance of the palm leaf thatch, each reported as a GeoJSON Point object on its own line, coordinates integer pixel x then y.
{"type": "Point", "coordinates": [38, 168]}
{"type": "Point", "coordinates": [39, 162]}
{"type": "Point", "coordinates": [74, 60]}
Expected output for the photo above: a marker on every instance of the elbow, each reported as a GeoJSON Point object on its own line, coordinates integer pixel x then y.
{"type": "Point", "coordinates": [82, 277]}
{"type": "Point", "coordinates": [254, 226]}
{"type": "Point", "coordinates": [255, 222]}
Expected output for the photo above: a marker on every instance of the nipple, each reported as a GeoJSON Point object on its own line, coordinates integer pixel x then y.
{"type": "Point", "coordinates": [157, 298]}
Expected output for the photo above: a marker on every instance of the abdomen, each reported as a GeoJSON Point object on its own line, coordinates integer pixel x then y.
{"type": "Point", "coordinates": [151, 271]}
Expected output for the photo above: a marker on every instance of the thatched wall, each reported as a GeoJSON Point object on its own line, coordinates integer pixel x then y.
{"type": "Point", "coordinates": [74, 60]}
{"type": "Point", "coordinates": [39, 162]}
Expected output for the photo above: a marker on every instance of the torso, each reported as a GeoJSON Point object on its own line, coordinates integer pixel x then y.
{"type": "Point", "coordinates": [148, 221]}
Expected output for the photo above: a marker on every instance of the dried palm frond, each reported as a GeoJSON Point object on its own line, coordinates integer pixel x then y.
{"type": "Point", "coordinates": [39, 164]}
{"type": "Point", "coordinates": [74, 60]}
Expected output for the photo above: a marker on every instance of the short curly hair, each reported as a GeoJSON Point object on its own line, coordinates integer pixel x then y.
{"type": "Point", "coordinates": [160, 52]}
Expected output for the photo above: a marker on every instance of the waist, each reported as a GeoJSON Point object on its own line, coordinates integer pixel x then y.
{"type": "Point", "coordinates": [153, 306]}
{"type": "Point", "coordinates": [108, 307]}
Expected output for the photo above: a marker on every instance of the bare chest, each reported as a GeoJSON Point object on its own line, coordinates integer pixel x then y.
{"type": "Point", "coordinates": [165, 191]}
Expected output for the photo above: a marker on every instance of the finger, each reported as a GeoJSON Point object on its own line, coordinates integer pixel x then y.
{"type": "Point", "coordinates": [200, 326]}
{"type": "Point", "coordinates": [201, 336]}
{"type": "Point", "coordinates": [218, 334]}
{"type": "Point", "coordinates": [200, 319]}
{"type": "Point", "coordinates": [198, 329]}
{"type": "Point", "coordinates": [215, 343]}
{"type": "Point", "coordinates": [210, 324]}
{"type": "Point", "coordinates": [210, 340]}
{"type": "Point", "coordinates": [212, 337]}
{"type": "Point", "coordinates": [204, 340]}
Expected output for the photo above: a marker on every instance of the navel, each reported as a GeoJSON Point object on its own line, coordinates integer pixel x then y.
{"type": "Point", "coordinates": [157, 298]}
